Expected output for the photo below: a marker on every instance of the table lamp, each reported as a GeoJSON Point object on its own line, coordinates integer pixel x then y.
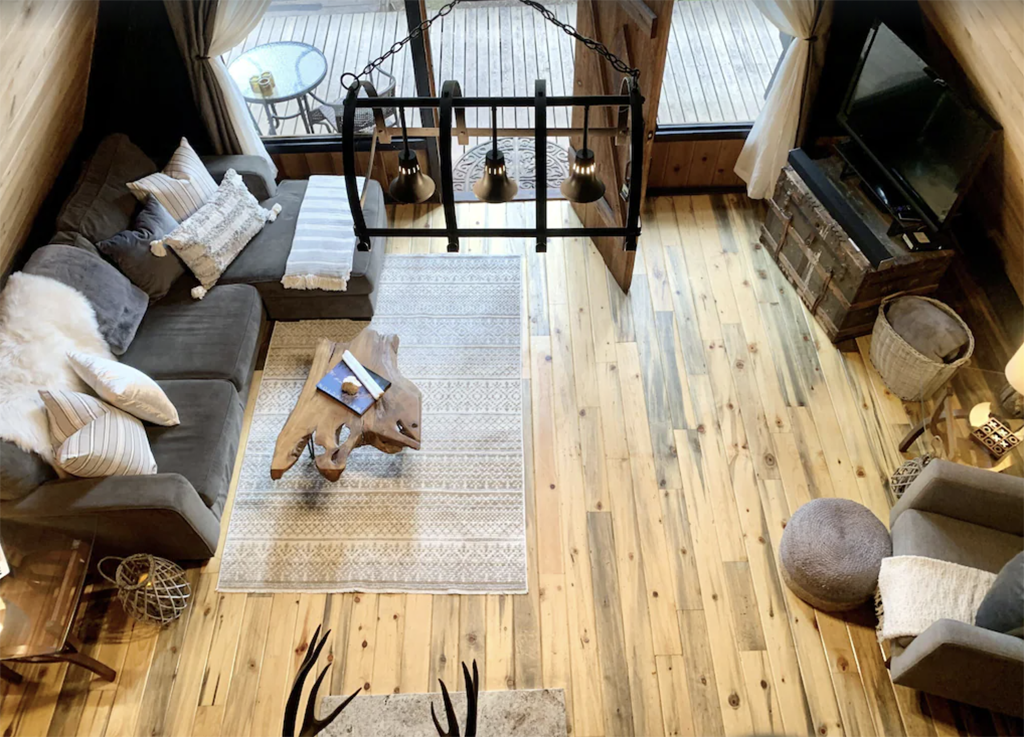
{"type": "Point", "coordinates": [1012, 396]}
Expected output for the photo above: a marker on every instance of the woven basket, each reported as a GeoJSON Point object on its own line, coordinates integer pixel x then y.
{"type": "Point", "coordinates": [909, 374]}
{"type": "Point", "coordinates": [151, 589]}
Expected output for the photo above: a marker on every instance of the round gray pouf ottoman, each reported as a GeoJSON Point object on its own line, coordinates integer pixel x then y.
{"type": "Point", "coordinates": [831, 551]}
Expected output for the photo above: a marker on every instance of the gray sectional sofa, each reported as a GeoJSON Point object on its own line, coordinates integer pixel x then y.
{"type": "Point", "coordinates": [202, 353]}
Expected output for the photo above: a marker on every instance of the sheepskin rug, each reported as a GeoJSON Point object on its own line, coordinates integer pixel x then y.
{"type": "Point", "coordinates": [41, 321]}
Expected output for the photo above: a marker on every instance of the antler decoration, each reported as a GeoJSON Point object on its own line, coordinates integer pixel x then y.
{"type": "Point", "coordinates": [310, 724]}
{"type": "Point", "coordinates": [472, 689]}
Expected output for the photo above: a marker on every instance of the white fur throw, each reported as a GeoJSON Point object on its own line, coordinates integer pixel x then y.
{"type": "Point", "coordinates": [915, 592]}
{"type": "Point", "coordinates": [41, 321]}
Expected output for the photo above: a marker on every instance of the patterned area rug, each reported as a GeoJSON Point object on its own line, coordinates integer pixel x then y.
{"type": "Point", "coordinates": [449, 518]}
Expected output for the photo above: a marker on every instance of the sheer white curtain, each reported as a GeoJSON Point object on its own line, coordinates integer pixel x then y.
{"type": "Point", "coordinates": [233, 21]}
{"type": "Point", "coordinates": [774, 131]}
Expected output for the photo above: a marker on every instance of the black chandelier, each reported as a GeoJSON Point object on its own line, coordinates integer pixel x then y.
{"type": "Point", "coordinates": [411, 185]}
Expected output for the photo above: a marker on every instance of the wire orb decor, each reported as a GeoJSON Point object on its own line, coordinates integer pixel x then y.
{"type": "Point", "coordinates": [905, 475]}
{"type": "Point", "coordinates": [151, 589]}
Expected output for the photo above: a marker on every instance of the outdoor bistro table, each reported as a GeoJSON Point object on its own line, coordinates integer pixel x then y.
{"type": "Point", "coordinates": [297, 69]}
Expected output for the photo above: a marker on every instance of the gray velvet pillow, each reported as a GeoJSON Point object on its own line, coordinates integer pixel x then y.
{"type": "Point", "coordinates": [101, 204]}
{"type": "Point", "coordinates": [129, 251]}
{"type": "Point", "coordinates": [119, 304]}
{"type": "Point", "coordinates": [1002, 609]}
{"type": "Point", "coordinates": [931, 331]}
{"type": "Point", "coordinates": [21, 471]}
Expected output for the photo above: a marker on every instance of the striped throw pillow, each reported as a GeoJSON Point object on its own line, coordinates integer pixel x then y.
{"type": "Point", "coordinates": [182, 187]}
{"type": "Point", "coordinates": [69, 412]}
{"type": "Point", "coordinates": [114, 444]}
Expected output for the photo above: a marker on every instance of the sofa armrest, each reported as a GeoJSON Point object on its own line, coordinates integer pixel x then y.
{"type": "Point", "coordinates": [160, 514]}
{"type": "Point", "coordinates": [255, 171]}
{"type": "Point", "coordinates": [991, 500]}
{"type": "Point", "coordinates": [966, 663]}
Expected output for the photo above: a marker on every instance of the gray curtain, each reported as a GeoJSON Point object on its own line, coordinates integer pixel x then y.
{"type": "Point", "coordinates": [192, 21]}
{"type": "Point", "coordinates": [815, 63]}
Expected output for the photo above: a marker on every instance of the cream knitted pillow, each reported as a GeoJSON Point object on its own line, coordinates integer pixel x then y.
{"type": "Point", "coordinates": [212, 238]}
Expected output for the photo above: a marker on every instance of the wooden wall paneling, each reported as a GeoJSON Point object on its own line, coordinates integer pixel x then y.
{"type": "Point", "coordinates": [694, 165]}
{"type": "Point", "coordinates": [987, 41]}
{"type": "Point", "coordinates": [302, 165]}
{"type": "Point", "coordinates": [44, 76]}
{"type": "Point", "coordinates": [724, 175]}
{"type": "Point", "coordinates": [703, 163]}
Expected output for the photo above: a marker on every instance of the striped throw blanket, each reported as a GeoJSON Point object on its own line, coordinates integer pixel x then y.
{"type": "Point", "coordinates": [322, 248]}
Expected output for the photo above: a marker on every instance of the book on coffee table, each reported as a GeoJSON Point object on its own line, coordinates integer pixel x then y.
{"type": "Point", "coordinates": [358, 402]}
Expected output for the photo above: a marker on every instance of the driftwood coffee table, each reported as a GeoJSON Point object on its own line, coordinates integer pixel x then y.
{"type": "Point", "coordinates": [390, 424]}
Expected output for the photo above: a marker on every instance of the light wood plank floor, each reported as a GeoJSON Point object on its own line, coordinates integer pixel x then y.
{"type": "Point", "coordinates": [670, 435]}
{"type": "Point", "coordinates": [721, 55]}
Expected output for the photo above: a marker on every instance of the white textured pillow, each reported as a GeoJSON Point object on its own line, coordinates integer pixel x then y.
{"type": "Point", "coordinates": [182, 187]}
{"type": "Point", "coordinates": [213, 237]}
{"type": "Point", "coordinates": [126, 388]}
{"type": "Point", "coordinates": [114, 444]}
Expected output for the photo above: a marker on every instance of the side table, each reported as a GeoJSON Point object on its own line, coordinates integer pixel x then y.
{"type": "Point", "coordinates": [39, 599]}
{"type": "Point", "coordinates": [947, 418]}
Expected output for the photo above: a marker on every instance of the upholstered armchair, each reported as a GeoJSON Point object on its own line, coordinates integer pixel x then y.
{"type": "Point", "coordinates": [975, 518]}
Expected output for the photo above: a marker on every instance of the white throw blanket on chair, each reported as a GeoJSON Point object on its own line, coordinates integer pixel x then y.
{"type": "Point", "coordinates": [41, 321]}
{"type": "Point", "coordinates": [323, 245]}
{"type": "Point", "coordinates": [915, 592]}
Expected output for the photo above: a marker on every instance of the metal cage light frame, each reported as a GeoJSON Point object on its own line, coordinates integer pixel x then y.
{"type": "Point", "coordinates": [452, 118]}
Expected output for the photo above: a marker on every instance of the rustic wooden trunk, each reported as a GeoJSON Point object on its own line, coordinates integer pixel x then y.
{"type": "Point", "coordinates": [837, 282]}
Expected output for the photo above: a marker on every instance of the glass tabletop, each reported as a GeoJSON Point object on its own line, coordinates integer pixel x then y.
{"type": "Point", "coordinates": [297, 68]}
{"type": "Point", "coordinates": [40, 594]}
{"type": "Point", "coordinates": [970, 401]}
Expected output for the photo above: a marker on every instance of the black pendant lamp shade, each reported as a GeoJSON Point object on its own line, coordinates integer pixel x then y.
{"type": "Point", "coordinates": [411, 186]}
{"type": "Point", "coordinates": [495, 186]}
{"type": "Point", "coordinates": [583, 184]}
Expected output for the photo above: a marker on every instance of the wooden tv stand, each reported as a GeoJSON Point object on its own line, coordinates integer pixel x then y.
{"type": "Point", "coordinates": [833, 244]}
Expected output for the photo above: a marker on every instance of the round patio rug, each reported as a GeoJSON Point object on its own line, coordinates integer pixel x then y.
{"type": "Point", "coordinates": [521, 160]}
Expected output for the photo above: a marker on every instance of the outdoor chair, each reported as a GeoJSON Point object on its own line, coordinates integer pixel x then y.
{"type": "Point", "coordinates": [329, 113]}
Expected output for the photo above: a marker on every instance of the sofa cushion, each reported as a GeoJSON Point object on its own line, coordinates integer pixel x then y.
{"type": "Point", "coordinates": [213, 338]}
{"type": "Point", "coordinates": [202, 448]}
{"type": "Point", "coordinates": [101, 204]}
{"type": "Point", "coordinates": [129, 250]}
{"type": "Point", "coordinates": [936, 536]}
{"type": "Point", "coordinates": [264, 259]}
{"type": "Point", "coordinates": [119, 304]}
{"type": "Point", "coordinates": [21, 471]}
{"type": "Point", "coordinates": [68, 238]}
{"type": "Point", "coordinates": [1002, 609]}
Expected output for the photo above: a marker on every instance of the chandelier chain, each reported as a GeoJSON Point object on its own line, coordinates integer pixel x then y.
{"type": "Point", "coordinates": [596, 46]}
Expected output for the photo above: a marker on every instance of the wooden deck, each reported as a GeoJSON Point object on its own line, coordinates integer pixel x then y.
{"type": "Point", "coordinates": [720, 60]}
{"type": "Point", "coordinates": [721, 55]}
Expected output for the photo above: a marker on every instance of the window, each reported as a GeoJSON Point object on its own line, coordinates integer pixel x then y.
{"type": "Point", "coordinates": [721, 57]}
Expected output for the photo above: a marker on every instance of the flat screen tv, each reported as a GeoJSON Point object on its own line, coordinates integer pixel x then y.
{"type": "Point", "coordinates": [928, 141]}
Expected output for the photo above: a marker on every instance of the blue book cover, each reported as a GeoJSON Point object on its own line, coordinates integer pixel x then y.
{"type": "Point", "coordinates": [358, 402]}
